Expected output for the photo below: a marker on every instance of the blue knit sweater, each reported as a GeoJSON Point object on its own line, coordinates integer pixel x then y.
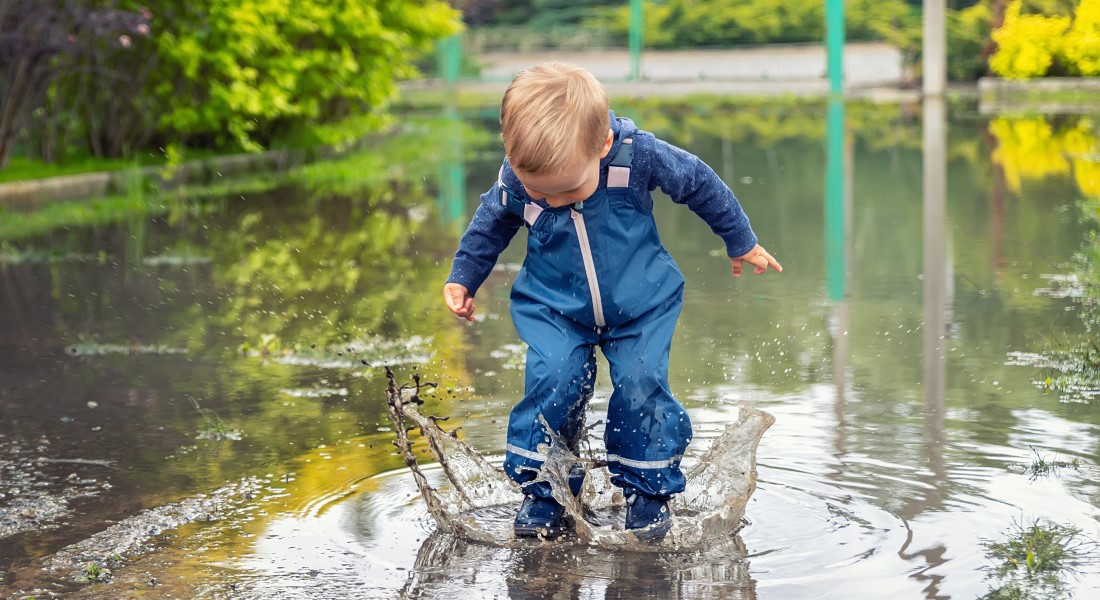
{"type": "Point", "coordinates": [682, 175]}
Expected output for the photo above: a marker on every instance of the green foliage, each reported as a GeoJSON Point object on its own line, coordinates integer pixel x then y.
{"type": "Point", "coordinates": [1033, 560]}
{"type": "Point", "coordinates": [95, 573]}
{"type": "Point", "coordinates": [688, 23]}
{"type": "Point", "coordinates": [968, 33]}
{"type": "Point", "coordinates": [525, 39]}
{"type": "Point", "coordinates": [253, 71]}
{"type": "Point", "coordinates": [1040, 547]}
{"type": "Point", "coordinates": [225, 74]}
{"type": "Point", "coordinates": [537, 15]}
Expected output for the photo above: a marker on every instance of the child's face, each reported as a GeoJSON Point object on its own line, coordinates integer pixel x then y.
{"type": "Point", "coordinates": [568, 187]}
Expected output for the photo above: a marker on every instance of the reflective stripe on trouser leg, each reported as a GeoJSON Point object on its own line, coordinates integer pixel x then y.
{"type": "Point", "coordinates": [561, 369]}
{"type": "Point", "coordinates": [647, 429]}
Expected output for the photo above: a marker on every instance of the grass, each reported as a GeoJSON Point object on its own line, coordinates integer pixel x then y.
{"type": "Point", "coordinates": [1042, 466]}
{"type": "Point", "coordinates": [21, 168]}
{"type": "Point", "coordinates": [1033, 560]}
{"type": "Point", "coordinates": [1041, 547]}
{"type": "Point", "coordinates": [213, 427]}
{"type": "Point", "coordinates": [93, 572]}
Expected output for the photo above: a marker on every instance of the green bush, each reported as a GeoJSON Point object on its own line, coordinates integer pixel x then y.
{"type": "Point", "coordinates": [689, 23]}
{"type": "Point", "coordinates": [967, 41]}
{"type": "Point", "coordinates": [126, 76]}
{"type": "Point", "coordinates": [253, 71]}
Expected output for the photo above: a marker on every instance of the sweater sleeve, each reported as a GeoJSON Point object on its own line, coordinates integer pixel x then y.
{"type": "Point", "coordinates": [688, 180]}
{"type": "Point", "coordinates": [490, 231]}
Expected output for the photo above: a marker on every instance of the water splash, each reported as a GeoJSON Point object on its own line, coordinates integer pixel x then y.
{"type": "Point", "coordinates": [710, 510]}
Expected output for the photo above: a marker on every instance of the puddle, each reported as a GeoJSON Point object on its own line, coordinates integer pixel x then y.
{"type": "Point", "coordinates": [893, 456]}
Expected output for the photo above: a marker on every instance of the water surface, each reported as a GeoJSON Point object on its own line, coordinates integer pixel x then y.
{"type": "Point", "coordinates": [169, 353]}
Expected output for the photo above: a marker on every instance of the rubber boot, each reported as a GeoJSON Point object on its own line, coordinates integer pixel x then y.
{"type": "Point", "coordinates": [648, 516]}
{"type": "Point", "coordinates": [544, 516]}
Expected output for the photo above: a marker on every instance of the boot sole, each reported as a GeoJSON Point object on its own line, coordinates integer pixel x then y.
{"type": "Point", "coordinates": [535, 531]}
{"type": "Point", "coordinates": [652, 534]}
{"type": "Point", "coordinates": [546, 532]}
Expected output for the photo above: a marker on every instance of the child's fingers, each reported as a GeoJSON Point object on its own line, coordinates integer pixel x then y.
{"type": "Point", "coordinates": [759, 259]}
{"type": "Point", "coordinates": [459, 301]}
{"type": "Point", "coordinates": [770, 262]}
{"type": "Point", "coordinates": [762, 260]}
{"type": "Point", "coordinates": [454, 304]}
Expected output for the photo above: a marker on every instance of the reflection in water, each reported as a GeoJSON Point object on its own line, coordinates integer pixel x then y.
{"type": "Point", "coordinates": [452, 175]}
{"type": "Point", "coordinates": [837, 202]}
{"type": "Point", "coordinates": [447, 566]}
{"type": "Point", "coordinates": [934, 285]}
{"type": "Point", "coordinates": [935, 292]}
{"type": "Point", "coordinates": [838, 252]}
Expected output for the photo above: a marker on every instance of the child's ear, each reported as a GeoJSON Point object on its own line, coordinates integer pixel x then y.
{"type": "Point", "coordinates": [607, 143]}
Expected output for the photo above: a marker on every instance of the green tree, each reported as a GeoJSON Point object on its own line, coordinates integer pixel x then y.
{"type": "Point", "coordinates": [45, 44]}
{"type": "Point", "coordinates": [968, 41]}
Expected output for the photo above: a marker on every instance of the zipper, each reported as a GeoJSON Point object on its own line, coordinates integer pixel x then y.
{"type": "Point", "coordinates": [589, 267]}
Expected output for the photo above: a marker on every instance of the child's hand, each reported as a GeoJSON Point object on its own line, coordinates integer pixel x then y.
{"type": "Point", "coordinates": [459, 300]}
{"type": "Point", "coordinates": [759, 258]}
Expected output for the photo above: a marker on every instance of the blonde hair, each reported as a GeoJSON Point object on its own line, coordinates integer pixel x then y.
{"type": "Point", "coordinates": [552, 116]}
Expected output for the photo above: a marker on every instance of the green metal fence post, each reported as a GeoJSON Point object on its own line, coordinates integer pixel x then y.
{"type": "Point", "coordinates": [449, 58]}
{"type": "Point", "coordinates": [834, 44]}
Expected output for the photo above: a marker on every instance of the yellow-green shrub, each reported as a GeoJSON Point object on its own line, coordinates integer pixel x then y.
{"type": "Point", "coordinates": [1027, 45]}
{"type": "Point", "coordinates": [1082, 44]}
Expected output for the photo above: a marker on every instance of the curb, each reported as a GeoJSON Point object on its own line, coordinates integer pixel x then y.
{"type": "Point", "coordinates": [997, 96]}
{"type": "Point", "coordinates": [28, 194]}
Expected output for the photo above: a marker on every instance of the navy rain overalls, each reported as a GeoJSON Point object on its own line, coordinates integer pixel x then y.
{"type": "Point", "coordinates": [596, 274]}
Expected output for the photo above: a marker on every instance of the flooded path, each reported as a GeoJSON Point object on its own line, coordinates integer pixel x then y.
{"type": "Point", "coordinates": [192, 396]}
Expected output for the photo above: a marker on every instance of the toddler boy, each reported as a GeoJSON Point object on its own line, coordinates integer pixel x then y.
{"type": "Point", "coordinates": [595, 274]}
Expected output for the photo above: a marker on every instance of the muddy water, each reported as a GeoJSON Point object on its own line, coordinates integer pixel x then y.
{"type": "Point", "coordinates": [191, 394]}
